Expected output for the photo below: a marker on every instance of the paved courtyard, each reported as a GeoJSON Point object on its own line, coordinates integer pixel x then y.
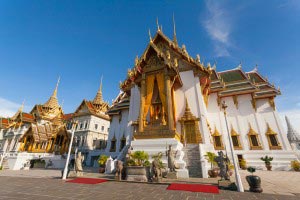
{"type": "Point", "coordinates": [46, 184]}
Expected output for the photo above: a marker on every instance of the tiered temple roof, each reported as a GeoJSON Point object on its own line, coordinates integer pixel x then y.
{"type": "Point", "coordinates": [121, 102]}
{"type": "Point", "coordinates": [97, 107]}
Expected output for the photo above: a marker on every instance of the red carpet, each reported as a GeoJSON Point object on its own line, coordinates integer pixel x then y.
{"type": "Point", "coordinates": [87, 180]}
{"type": "Point", "coordinates": [194, 188]}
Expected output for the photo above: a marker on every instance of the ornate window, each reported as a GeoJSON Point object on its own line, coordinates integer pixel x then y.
{"type": "Point", "coordinates": [113, 144]}
{"type": "Point", "coordinates": [190, 127]}
{"type": "Point", "coordinates": [217, 137]}
{"type": "Point", "coordinates": [253, 139]}
{"type": "Point", "coordinates": [236, 140]}
{"type": "Point", "coordinates": [272, 138]}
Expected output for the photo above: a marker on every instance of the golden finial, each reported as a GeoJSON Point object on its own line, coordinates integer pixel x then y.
{"type": "Point", "coordinates": [158, 28]}
{"type": "Point", "coordinates": [255, 68]}
{"type": "Point", "coordinates": [55, 91]}
{"type": "Point", "coordinates": [136, 61]}
{"type": "Point", "coordinates": [100, 88]}
{"type": "Point", "coordinates": [22, 106]}
{"type": "Point", "coordinates": [174, 30]}
{"type": "Point", "coordinates": [150, 35]}
{"type": "Point", "coordinates": [198, 58]}
{"type": "Point", "coordinates": [240, 65]}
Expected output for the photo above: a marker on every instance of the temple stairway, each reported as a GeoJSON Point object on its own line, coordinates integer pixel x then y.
{"type": "Point", "coordinates": [192, 159]}
{"type": "Point", "coordinates": [5, 164]}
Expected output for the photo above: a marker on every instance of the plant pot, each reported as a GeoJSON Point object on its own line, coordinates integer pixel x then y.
{"type": "Point", "coordinates": [101, 170]}
{"type": "Point", "coordinates": [136, 173]}
{"type": "Point", "coordinates": [213, 173]}
{"type": "Point", "coordinates": [136, 170]}
{"type": "Point", "coordinates": [254, 183]}
{"type": "Point", "coordinates": [269, 167]}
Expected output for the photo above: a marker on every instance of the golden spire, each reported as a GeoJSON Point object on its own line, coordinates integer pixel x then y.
{"type": "Point", "coordinates": [174, 29]}
{"type": "Point", "coordinates": [52, 102]}
{"type": "Point", "coordinates": [19, 111]}
{"type": "Point", "coordinates": [55, 91]}
{"type": "Point", "coordinates": [98, 98]}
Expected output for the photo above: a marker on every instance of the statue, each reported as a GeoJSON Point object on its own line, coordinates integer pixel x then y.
{"type": "Point", "coordinates": [171, 158]}
{"type": "Point", "coordinates": [222, 162]}
{"type": "Point", "coordinates": [78, 164]}
{"type": "Point", "coordinates": [119, 169]}
{"type": "Point", "coordinates": [156, 170]}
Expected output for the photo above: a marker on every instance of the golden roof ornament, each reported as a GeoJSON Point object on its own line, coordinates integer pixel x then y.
{"type": "Point", "coordinates": [255, 68]}
{"type": "Point", "coordinates": [52, 102]}
{"type": "Point", "coordinates": [240, 65]}
{"type": "Point", "coordinates": [198, 58]}
{"type": "Point", "coordinates": [168, 54]}
{"type": "Point", "coordinates": [184, 50]}
{"type": "Point", "coordinates": [150, 37]}
{"type": "Point", "coordinates": [174, 32]}
{"type": "Point", "coordinates": [158, 28]}
{"type": "Point", "coordinates": [175, 62]}
{"type": "Point", "coordinates": [98, 98]}
{"type": "Point", "coordinates": [136, 61]}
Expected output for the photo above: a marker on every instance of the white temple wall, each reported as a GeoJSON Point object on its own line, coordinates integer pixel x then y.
{"type": "Point", "coordinates": [134, 111]}
{"type": "Point", "coordinates": [118, 129]}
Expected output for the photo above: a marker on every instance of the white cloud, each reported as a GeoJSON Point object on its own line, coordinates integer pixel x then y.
{"type": "Point", "coordinates": [218, 26]}
{"type": "Point", "coordinates": [294, 117]}
{"type": "Point", "coordinates": [9, 108]}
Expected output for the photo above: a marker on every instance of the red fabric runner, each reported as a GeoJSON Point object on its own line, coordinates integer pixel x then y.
{"type": "Point", "coordinates": [194, 188]}
{"type": "Point", "coordinates": [87, 180]}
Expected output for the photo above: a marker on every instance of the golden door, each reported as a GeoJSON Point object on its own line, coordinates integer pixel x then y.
{"type": "Point", "coordinates": [190, 134]}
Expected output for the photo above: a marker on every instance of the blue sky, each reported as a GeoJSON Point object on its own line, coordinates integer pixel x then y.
{"type": "Point", "coordinates": [82, 40]}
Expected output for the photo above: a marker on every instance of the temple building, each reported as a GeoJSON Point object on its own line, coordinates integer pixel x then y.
{"type": "Point", "coordinates": [91, 132]}
{"type": "Point", "coordinates": [170, 98]}
{"type": "Point", "coordinates": [39, 134]}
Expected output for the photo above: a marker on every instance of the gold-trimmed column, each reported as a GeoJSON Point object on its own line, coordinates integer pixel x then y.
{"type": "Point", "coordinates": [142, 104]}
{"type": "Point", "coordinates": [169, 102]}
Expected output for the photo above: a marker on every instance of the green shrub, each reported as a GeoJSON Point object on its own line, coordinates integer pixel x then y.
{"type": "Point", "coordinates": [210, 157]}
{"type": "Point", "coordinates": [295, 164]}
{"type": "Point", "coordinates": [102, 160]}
{"type": "Point", "coordinates": [138, 158]}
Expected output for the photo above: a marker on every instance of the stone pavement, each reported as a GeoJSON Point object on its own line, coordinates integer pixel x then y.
{"type": "Point", "coordinates": [54, 188]}
{"type": "Point", "coordinates": [46, 184]}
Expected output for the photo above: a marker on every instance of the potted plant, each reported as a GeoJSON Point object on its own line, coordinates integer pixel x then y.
{"type": "Point", "coordinates": [102, 162]}
{"type": "Point", "coordinates": [213, 172]}
{"type": "Point", "coordinates": [295, 164]}
{"type": "Point", "coordinates": [137, 165]}
{"type": "Point", "coordinates": [243, 164]}
{"type": "Point", "coordinates": [254, 181]}
{"type": "Point", "coordinates": [267, 161]}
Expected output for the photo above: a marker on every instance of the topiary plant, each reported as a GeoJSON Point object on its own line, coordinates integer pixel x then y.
{"type": "Point", "coordinates": [267, 160]}
{"type": "Point", "coordinates": [251, 170]}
